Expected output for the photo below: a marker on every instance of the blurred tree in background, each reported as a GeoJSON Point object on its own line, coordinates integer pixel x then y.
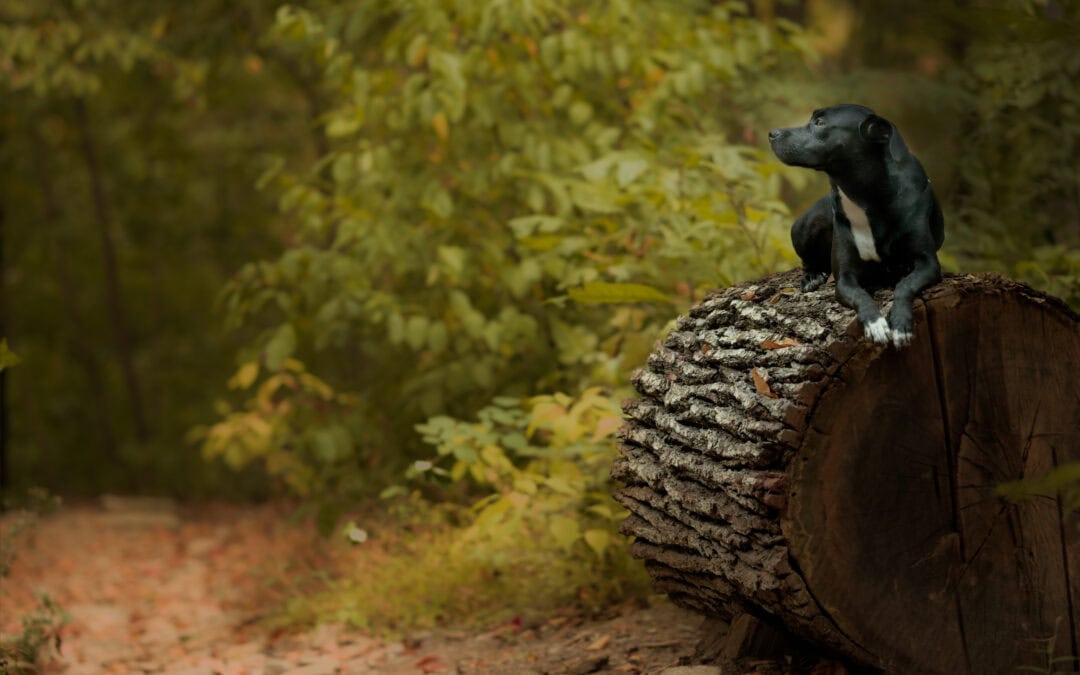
{"type": "Point", "coordinates": [132, 138]}
{"type": "Point", "coordinates": [474, 216]}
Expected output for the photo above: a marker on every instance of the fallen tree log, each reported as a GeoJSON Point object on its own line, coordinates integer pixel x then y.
{"type": "Point", "coordinates": [777, 464]}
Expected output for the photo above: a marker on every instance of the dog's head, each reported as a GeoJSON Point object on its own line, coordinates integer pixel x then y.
{"type": "Point", "coordinates": [833, 135]}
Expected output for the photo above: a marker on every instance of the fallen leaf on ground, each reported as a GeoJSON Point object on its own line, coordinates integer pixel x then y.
{"type": "Point", "coordinates": [599, 643]}
{"type": "Point", "coordinates": [430, 664]}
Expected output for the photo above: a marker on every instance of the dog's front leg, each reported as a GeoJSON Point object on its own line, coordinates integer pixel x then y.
{"type": "Point", "coordinates": [926, 272]}
{"type": "Point", "coordinates": [851, 294]}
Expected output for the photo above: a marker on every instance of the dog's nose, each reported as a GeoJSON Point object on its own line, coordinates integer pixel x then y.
{"type": "Point", "coordinates": [774, 134]}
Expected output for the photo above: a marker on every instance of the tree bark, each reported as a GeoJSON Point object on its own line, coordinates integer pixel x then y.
{"type": "Point", "coordinates": [113, 295]}
{"type": "Point", "coordinates": [776, 464]}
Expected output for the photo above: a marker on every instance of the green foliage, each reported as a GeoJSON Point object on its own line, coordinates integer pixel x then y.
{"type": "Point", "coordinates": [8, 358]}
{"type": "Point", "coordinates": [40, 628]}
{"type": "Point", "coordinates": [26, 512]}
{"type": "Point", "coordinates": [1017, 208]}
{"type": "Point", "coordinates": [1017, 205]}
{"type": "Point", "coordinates": [21, 653]}
{"type": "Point", "coordinates": [542, 467]}
{"type": "Point", "coordinates": [295, 425]}
{"type": "Point", "coordinates": [611, 293]}
{"type": "Point", "coordinates": [419, 567]}
{"type": "Point", "coordinates": [177, 102]}
{"type": "Point", "coordinates": [494, 172]}
{"type": "Point", "coordinates": [540, 531]}
{"type": "Point", "coordinates": [1062, 482]}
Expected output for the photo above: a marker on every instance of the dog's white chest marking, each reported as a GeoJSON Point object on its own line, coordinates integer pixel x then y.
{"type": "Point", "coordinates": [860, 228]}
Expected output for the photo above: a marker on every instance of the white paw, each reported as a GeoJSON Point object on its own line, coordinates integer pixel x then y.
{"type": "Point", "coordinates": [901, 338]}
{"type": "Point", "coordinates": [877, 331]}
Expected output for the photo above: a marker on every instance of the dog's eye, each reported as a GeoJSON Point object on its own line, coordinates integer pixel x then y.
{"type": "Point", "coordinates": [819, 121]}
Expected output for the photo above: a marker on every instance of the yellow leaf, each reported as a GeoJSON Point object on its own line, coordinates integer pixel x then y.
{"type": "Point", "coordinates": [441, 126]}
{"type": "Point", "coordinates": [602, 641]}
{"type": "Point", "coordinates": [457, 472]}
{"type": "Point", "coordinates": [157, 29]}
{"type": "Point", "coordinates": [318, 386]}
{"type": "Point", "coordinates": [603, 292]}
{"type": "Point", "coordinates": [604, 511]}
{"type": "Point", "coordinates": [606, 426]}
{"type": "Point", "coordinates": [755, 215]}
{"type": "Point", "coordinates": [245, 376]}
{"type": "Point", "coordinates": [494, 456]}
{"type": "Point", "coordinates": [525, 485]}
{"type": "Point", "coordinates": [598, 541]}
{"type": "Point", "coordinates": [561, 485]}
{"type": "Point", "coordinates": [565, 530]}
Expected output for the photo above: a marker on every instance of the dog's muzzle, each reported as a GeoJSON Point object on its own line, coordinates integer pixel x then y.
{"type": "Point", "coordinates": [790, 147]}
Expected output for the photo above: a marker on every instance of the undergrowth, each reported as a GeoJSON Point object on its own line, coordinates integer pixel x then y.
{"type": "Point", "coordinates": [20, 653]}
{"type": "Point", "coordinates": [416, 570]}
{"type": "Point", "coordinates": [511, 516]}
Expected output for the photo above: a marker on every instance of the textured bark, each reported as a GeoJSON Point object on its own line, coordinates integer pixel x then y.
{"type": "Point", "coordinates": [779, 465]}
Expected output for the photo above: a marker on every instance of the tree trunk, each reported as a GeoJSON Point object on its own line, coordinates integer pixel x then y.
{"type": "Point", "coordinates": [81, 346]}
{"type": "Point", "coordinates": [776, 464]}
{"type": "Point", "coordinates": [113, 297]}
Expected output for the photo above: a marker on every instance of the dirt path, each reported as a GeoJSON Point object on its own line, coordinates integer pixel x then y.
{"type": "Point", "coordinates": [153, 589]}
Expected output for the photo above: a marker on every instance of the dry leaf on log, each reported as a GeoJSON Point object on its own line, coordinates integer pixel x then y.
{"type": "Point", "coordinates": [780, 344]}
{"type": "Point", "coordinates": [761, 384]}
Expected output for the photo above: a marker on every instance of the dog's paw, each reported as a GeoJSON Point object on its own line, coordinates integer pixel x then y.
{"type": "Point", "coordinates": [813, 281]}
{"type": "Point", "coordinates": [902, 330]}
{"type": "Point", "coordinates": [877, 331]}
{"type": "Point", "coordinates": [901, 338]}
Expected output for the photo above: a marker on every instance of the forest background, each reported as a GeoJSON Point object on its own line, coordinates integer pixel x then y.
{"type": "Point", "coordinates": [412, 251]}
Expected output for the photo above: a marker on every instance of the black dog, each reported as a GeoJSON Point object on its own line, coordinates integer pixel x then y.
{"type": "Point", "coordinates": [880, 226]}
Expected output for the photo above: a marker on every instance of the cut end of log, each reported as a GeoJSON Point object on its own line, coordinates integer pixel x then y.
{"type": "Point", "coordinates": [777, 464]}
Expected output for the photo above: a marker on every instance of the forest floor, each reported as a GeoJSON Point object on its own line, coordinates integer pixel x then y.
{"type": "Point", "coordinates": [151, 588]}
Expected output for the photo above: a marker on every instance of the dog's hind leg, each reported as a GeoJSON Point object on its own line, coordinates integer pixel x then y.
{"type": "Point", "coordinates": [812, 281]}
{"type": "Point", "coordinates": [812, 237]}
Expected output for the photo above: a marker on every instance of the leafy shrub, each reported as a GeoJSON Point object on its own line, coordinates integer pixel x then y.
{"type": "Point", "coordinates": [1016, 208]}
{"type": "Point", "coordinates": [296, 427]}
{"type": "Point", "coordinates": [495, 171]}
{"type": "Point", "coordinates": [20, 653]}
{"type": "Point", "coordinates": [538, 531]}
{"type": "Point", "coordinates": [543, 470]}
{"type": "Point", "coordinates": [420, 567]}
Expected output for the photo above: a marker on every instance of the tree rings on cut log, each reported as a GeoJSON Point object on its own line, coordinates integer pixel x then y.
{"type": "Point", "coordinates": [779, 465]}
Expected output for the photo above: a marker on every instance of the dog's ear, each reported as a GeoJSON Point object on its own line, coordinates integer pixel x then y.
{"type": "Point", "coordinates": [876, 129]}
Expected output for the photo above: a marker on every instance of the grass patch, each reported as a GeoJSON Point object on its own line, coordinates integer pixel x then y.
{"type": "Point", "coordinates": [423, 568]}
